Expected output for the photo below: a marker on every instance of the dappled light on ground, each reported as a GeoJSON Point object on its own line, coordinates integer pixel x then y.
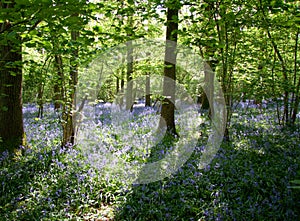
{"type": "Point", "coordinates": [248, 179]}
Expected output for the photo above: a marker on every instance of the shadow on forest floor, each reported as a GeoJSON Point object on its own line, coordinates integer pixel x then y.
{"type": "Point", "coordinates": [249, 179]}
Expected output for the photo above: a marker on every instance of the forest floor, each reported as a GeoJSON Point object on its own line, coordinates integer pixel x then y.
{"type": "Point", "coordinates": [250, 178]}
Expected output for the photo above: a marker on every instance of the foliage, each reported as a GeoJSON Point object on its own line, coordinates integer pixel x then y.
{"type": "Point", "coordinates": [253, 47]}
{"type": "Point", "coordinates": [48, 181]}
{"type": "Point", "coordinates": [249, 178]}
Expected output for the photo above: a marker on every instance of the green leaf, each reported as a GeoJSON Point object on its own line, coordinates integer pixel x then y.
{"type": "Point", "coordinates": [192, 9]}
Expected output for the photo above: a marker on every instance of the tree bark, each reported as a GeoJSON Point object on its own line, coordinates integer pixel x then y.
{"type": "Point", "coordinates": [169, 84]}
{"type": "Point", "coordinates": [58, 86]}
{"type": "Point", "coordinates": [40, 100]}
{"type": "Point", "coordinates": [129, 101]}
{"type": "Point", "coordinates": [117, 85]}
{"type": "Point", "coordinates": [69, 124]}
{"type": "Point", "coordinates": [208, 96]}
{"type": "Point", "coordinates": [11, 116]}
{"type": "Point", "coordinates": [148, 95]}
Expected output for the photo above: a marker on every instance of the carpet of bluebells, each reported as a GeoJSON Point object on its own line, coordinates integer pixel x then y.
{"type": "Point", "coordinates": [251, 177]}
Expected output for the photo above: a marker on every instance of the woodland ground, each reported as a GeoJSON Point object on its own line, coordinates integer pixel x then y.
{"type": "Point", "coordinates": [249, 179]}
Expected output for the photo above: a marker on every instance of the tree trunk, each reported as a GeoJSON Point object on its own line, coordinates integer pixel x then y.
{"type": "Point", "coordinates": [69, 124]}
{"type": "Point", "coordinates": [11, 116]}
{"type": "Point", "coordinates": [297, 99]}
{"type": "Point", "coordinates": [207, 93]}
{"type": "Point", "coordinates": [117, 85]}
{"type": "Point", "coordinates": [129, 101]}
{"type": "Point", "coordinates": [208, 96]}
{"type": "Point", "coordinates": [169, 84]}
{"type": "Point", "coordinates": [148, 96]}
{"type": "Point", "coordinates": [226, 76]}
{"type": "Point", "coordinates": [40, 100]}
{"type": "Point", "coordinates": [58, 86]}
{"type": "Point", "coordinates": [285, 117]}
{"type": "Point", "coordinates": [122, 85]}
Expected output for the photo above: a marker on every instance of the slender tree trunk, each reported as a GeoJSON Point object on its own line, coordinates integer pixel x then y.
{"type": "Point", "coordinates": [122, 85]}
{"type": "Point", "coordinates": [117, 85]}
{"type": "Point", "coordinates": [148, 95]}
{"type": "Point", "coordinates": [225, 79]}
{"type": "Point", "coordinates": [58, 86]}
{"type": "Point", "coordinates": [129, 71]}
{"type": "Point", "coordinates": [40, 100]}
{"type": "Point", "coordinates": [208, 96]}
{"type": "Point", "coordinates": [69, 124]}
{"type": "Point", "coordinates": [273, 90]}
{"type": "Point", "coordinates": [297, 98]}
{"type": "Point", "coordinates": [285, 118]}
{"type": "Point", "coordinates": [11, 116]}
{"type": "Point", "coordinates": [169, 84]}
{"type": "Point", "coordinates": [148, 86]}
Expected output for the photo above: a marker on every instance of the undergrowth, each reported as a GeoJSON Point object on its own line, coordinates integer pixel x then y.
{"type": "Point", "coordinates": [250, 178]}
